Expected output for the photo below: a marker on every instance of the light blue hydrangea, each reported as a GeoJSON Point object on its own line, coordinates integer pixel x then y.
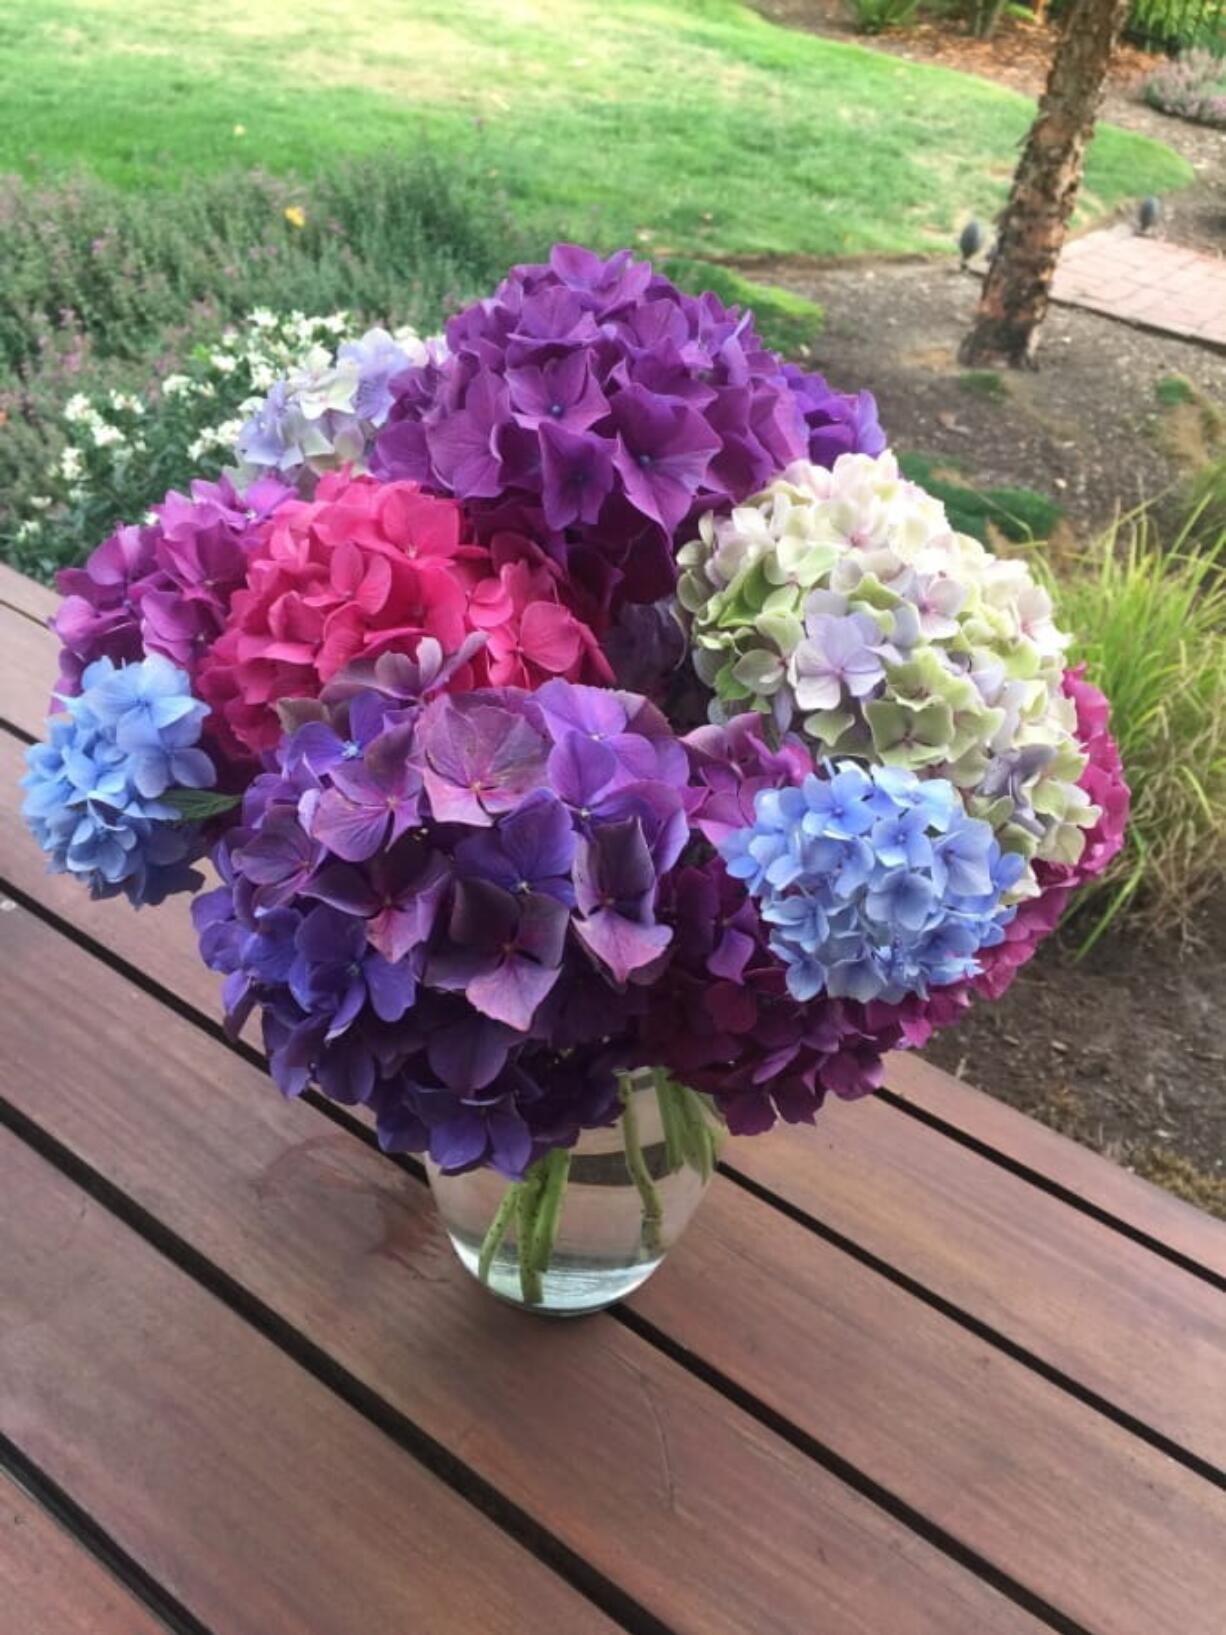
{"type": "Point", "coordinates": [98, 792]}
{"type": "Point", "coordinates": [876, 883]}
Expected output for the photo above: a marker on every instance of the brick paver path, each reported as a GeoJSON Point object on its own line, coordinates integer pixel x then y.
{"type": "Point", "coordinates": [1145, 281]}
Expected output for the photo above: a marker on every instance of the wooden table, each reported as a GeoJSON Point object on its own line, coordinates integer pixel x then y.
{"type": "Point", "coordinates": [927, 1369]}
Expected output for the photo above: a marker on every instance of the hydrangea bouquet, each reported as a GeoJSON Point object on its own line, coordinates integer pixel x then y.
{"type": "Point", "coordinates": [597, 745]}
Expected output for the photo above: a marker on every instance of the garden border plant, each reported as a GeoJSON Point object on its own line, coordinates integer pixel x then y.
{"type": "Point", "coordinates": [1192, 86]}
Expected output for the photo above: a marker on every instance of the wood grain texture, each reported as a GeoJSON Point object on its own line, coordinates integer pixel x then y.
{"type": "Point", "coordinates": [27, 671]}
{"type": "Point", "coordinates": [1023, 1140]}
{"type": "Point", "coordinates": [1100, 1524]}
{"type": "Point", "coordinates": [241, 1484]}
{"type": "Point", "coordinates": [711, 1521]}
{"type": "Point", "coordinates": [1079, 1295]}
{"type": "Point", "coordinates": [50, 1585]}
{"type": "Point", "coordinates": [26, 595]}
{"type": "Point", "coordinates": [1140, 1332]}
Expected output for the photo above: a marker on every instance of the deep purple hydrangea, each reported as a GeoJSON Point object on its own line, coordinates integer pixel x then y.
{"type": "Point", "coordinates": [165, 587]}
{"type": "Point", "coordinates": [593, 406]}
{"type": "Point", "coordinates": [447, 910]}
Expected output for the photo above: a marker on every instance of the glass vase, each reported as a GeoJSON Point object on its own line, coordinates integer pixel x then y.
{"type": "Point", "coordinates": [586, 1226]}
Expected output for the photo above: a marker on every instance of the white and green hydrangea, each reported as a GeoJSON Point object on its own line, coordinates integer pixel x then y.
{"type": "Point", "coordinates": [841, 604]}
{"type": "Point", "coordinates": [323, 412]}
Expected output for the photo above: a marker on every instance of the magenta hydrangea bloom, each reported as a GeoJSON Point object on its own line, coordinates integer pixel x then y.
{"type": "Point", "coordinates": [591, 405]}
{"type": "Point", "coordinates": [163, 588]}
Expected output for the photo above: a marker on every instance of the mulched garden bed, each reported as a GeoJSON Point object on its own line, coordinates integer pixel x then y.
{"type": "Point", "coordinates": [1124, 1050]}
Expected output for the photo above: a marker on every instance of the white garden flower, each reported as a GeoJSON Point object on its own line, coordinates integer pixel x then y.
{"type": "Point", "coordinates": [70, 465]}
{"type": "Point", "coordinates": [178, 386]}
{"type": "Point", "coordinates": [77, 408]}
{"type": "Point", "coordinates": [107, 436]}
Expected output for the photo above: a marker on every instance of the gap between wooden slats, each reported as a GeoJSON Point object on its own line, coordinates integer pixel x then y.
{"type": "Point", "coordinates": [969, 1440]}
{"type": "Point", "coordinates": [51, 1585]}
{"type": "Point", "coordinates": [264, 1504]}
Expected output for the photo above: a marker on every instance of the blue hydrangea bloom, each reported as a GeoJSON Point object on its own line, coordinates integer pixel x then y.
{"type": "Point", "coordinates": [95, 791]}
{"type": "Point", "coordinates": [875, 883]}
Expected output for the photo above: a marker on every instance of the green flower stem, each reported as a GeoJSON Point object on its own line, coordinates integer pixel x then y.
{"type": "Point", "coordinates": [673, 1122]}
{"type": "Point", "coordinates": [527, 1208]}
{"type": "Point", "coordinates": [687, 1126]}
{"type": "Point", "coordinates": [653, 1213]}
{"type": "Point", "coordinates": [498, 1228]}
{"type": "Point", "coordinates": [555, 1167]}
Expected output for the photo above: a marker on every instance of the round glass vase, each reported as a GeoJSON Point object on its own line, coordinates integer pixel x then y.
{"type": "Point", "coordinates": [587, 1225]}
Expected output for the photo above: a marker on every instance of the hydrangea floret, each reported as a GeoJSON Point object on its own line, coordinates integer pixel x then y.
{"type": "Point", "coordinates": [875, 883]}
{"type": "Point", "coordinates": [324, 413]}
{"type": "Point", "coordinates": [446, 910]}
{"type": "Point", "coordinates": [840, 602]}
{"type": "Point", "coordinates": [367, 568]}
{"type": "Point", "coordinates": [472, 876]}
{"type": "Point", "coordinates": [602, 410]}
{"type": "Point", "coordinates": [101, 793]}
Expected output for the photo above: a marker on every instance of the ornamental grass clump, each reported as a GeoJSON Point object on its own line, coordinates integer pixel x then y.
{"type": "Point", "coordinates": [1150, 622]}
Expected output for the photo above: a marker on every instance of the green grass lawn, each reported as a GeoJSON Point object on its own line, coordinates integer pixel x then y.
{"type": "Point", "coordinates": [690, 125]}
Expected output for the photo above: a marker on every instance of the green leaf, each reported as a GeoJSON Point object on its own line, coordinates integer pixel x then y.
{"type": "Point", "coordinates": [198, 804]}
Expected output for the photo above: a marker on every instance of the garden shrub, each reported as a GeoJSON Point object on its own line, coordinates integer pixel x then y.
{"type": "Point", "coordinates": [105, 294]}
{"type": "Point", "coordinates": [1193, 86]}
{"type": "Point", "coordinates": [117, 453]}
{"type": "Point", "coordinates": [875, 16]}
{"type": "Point", "coordinates": [86, 265]}
{"type": "Point", "coordinates": [1017, 514]}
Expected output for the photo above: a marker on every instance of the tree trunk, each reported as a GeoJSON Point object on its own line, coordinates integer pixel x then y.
{"type": "Point", "coordinates": [1015, 292]}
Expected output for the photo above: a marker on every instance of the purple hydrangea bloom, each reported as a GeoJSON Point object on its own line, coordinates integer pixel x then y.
{"type": "Point", "coordinates": [164, 588]}
{"type": "Point", "coordinates": [443, 908]}
{"type": "Point", "coordinates": [591, 405]}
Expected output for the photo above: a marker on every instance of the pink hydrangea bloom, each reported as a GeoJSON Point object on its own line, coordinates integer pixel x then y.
{"type": "Point", "coordinates": [531, 636]}
{"type": "Point", "coordinates": [363, 569]}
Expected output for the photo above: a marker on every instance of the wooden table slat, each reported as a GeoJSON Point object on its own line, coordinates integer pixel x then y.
{"type": "Point", "coordinates": [1023, 1141]}
{"type": "Point", "coordinates": [27, 596]}
{"type": "Point", "coordinates": [51, 1585]}
{"type": "Point", "coordinates": [264, 1504]}
{"type": "Point", "coordinates": [695, 1509]}
{"type": "Point", "coordinates": [1083, 1298]}
{"type": "Point", "coordinates": [27, 672]}
{"type": "Point", "coordinates": [1117, 1535]}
